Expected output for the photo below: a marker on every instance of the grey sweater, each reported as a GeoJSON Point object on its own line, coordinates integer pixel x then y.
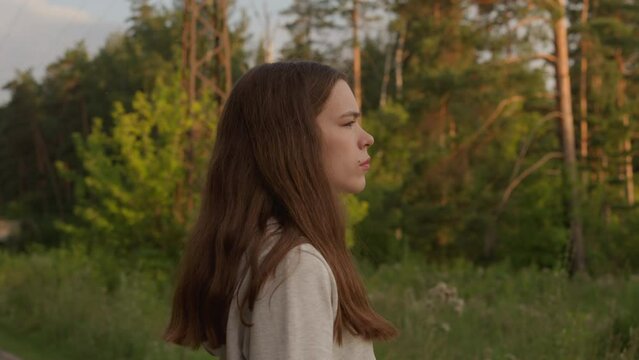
{"type": "Point", "coordinates": [293, 316]}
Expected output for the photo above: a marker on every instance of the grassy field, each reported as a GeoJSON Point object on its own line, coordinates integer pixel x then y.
{"type": "Point", "coordinates": [494, 313]}
{"type": "Point", "coordinates": [28, 350]}
{"type": "Point", "coordinates": [57, 305]}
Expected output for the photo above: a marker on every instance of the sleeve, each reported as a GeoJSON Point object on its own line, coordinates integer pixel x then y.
{"type": "Point", "coordinates": [293, 315]}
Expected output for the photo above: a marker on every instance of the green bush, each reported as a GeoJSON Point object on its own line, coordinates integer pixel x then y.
{"type": "Point", "coordinates": [132, 197]}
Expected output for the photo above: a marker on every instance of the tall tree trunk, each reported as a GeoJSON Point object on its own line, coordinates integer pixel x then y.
{"type": "Point", "coordinates": [267, 41]}
{"type": "Point", "coordinates": [443, 129]}
{"type": "Point", "coordinates": [626, 146]}
{"type": "Point", "coordinates": [44, 163]}
{"type": "Point", "coordinates": [206, 49]}
{"type": "Point", "coordinates": [383, 94]}
{"type": "Point", "coordinates": [577, 256]}
{"type": "Point", "coordinates": [225, 56]}
{"type": "Point", "coordinates": [583, 85]}
{"type": "Point", "coordinates": [182, 198]}
{"type": "Point", "coordinates": [86, 127]}
{"type": "Point", "coordinates": [629, 174]}
{"type": "Point", "coordinates": [190, 55]}
{"type": "Point", "coordinates": [206, 57]}
{"type": "Point", "coordinates": [399, 60]}
{"type": "Point", "coordinates": [357, 66]}
{"type": "Point", "coordinates": [600, 156]}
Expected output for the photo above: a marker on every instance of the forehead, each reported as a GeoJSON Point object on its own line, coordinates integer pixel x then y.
{"type": "Point", "coordinates": [340, 100]}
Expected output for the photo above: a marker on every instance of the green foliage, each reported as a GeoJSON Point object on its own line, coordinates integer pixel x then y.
{"type": "Point", "coordinates": [533, 237]}
{"type": "Point", "coordinates": [238, 37]}
{"type": "Point", "coordinates": [306, 21]}
{"type": "Point", "coordinates": [452, 142]}
{"type": "Point", "coordinates": [60, 302]}
{"type": "Point", "coordinates": [611, 38]}
{"type": "Point", "coordinates": [467, 112]}
{"type": "Point", "coordinates": [606, 233]}
{"type": "Point", "coordinates": [357, 211]}
{"type": "Point", "coordinates": [391, 163]}
{"type": "Point", "coordinates": [460, 312]}
{"type": "Point", "coordinates": [38, 121]}
{"type": "Point", "coordinates": [57, 301]}
{"type": "Point", "coordinates": [30, 189]}
{"type": "Point", "coordinates": [130, 192]}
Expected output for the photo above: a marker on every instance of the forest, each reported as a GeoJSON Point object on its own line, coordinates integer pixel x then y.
{"type": "Point", "coordinates": [499, 220]}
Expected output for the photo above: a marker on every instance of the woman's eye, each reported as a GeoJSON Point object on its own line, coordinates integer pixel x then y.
{"type": "Point", "coordinates": [349, 124]}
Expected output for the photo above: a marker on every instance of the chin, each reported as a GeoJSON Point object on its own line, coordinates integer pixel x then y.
{"type": "Point", "coordinates": [354, 188]}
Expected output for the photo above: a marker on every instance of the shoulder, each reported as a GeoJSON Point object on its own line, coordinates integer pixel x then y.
{"type": "Point", "coordinates": [308, 253]}
{"type": "Point", "coordinates": [302, 280]}
{"type": "Point", "coordinates": [305, 261]}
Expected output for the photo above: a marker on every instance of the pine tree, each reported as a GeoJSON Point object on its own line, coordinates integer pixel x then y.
{"type": "Point", "coordinates": [308, 19]}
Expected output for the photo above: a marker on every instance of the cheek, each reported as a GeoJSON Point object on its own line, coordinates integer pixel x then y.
{"type": "Point", "coordinates": [332, 157]}
{"type": "Point", "coordinates": [337, 152]}
{"type": "Point", "coordinates": [341, 165]}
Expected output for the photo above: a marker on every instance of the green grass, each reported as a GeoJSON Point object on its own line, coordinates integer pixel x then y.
{"type": "Point", "coordinates": [527, 314]}
{"type": "Point", "coordinates": [59, 304]}
{"type": "Point", "coordinates": [26, 347]}
{"type": "Point", "coordinates": [61, 300]}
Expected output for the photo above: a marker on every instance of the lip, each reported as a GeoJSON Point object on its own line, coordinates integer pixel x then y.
{"type": "Point", "coordinates": [366, 163]}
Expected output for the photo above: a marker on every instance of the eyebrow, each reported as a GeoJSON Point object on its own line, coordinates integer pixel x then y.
{"type": "Point", "coordinates": [355, 114]}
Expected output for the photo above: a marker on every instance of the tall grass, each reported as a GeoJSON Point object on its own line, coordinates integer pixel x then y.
{"type": "Point", "coordinates": [525, 314]}
{"type": "Point", "coordinates": [60, 301]}
{"type": "Point", "coordinates": [66, 304]}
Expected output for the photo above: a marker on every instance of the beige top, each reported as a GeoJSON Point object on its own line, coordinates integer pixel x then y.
{"type": "Point", "coordinates": [293, 315]}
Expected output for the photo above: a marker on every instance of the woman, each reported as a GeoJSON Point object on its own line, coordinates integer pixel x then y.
{"type": "Point", "coordinates": [266, 273]}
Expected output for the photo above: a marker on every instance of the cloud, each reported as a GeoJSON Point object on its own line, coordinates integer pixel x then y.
{"type": "Point", "coordinates": [43, 9]}
{"type": "Point", "coordinates": [33, 33]}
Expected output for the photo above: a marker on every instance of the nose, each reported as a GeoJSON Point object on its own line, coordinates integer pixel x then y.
{"type": "Point", "coordinates": [366, 140]}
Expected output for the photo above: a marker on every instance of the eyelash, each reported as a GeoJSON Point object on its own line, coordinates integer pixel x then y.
{"type": "Point", "coordinates": [349, 124]}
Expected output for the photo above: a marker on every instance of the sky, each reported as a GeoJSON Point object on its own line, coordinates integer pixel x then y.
{"type": "Point", "coordinates": [34, 33]}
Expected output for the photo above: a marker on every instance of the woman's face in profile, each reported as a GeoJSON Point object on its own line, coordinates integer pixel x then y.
{"type": "Point", "coordinates": [345, 143]}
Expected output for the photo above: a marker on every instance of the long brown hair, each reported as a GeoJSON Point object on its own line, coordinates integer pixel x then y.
{"type": "Point", "coordinates": [266, 162]}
